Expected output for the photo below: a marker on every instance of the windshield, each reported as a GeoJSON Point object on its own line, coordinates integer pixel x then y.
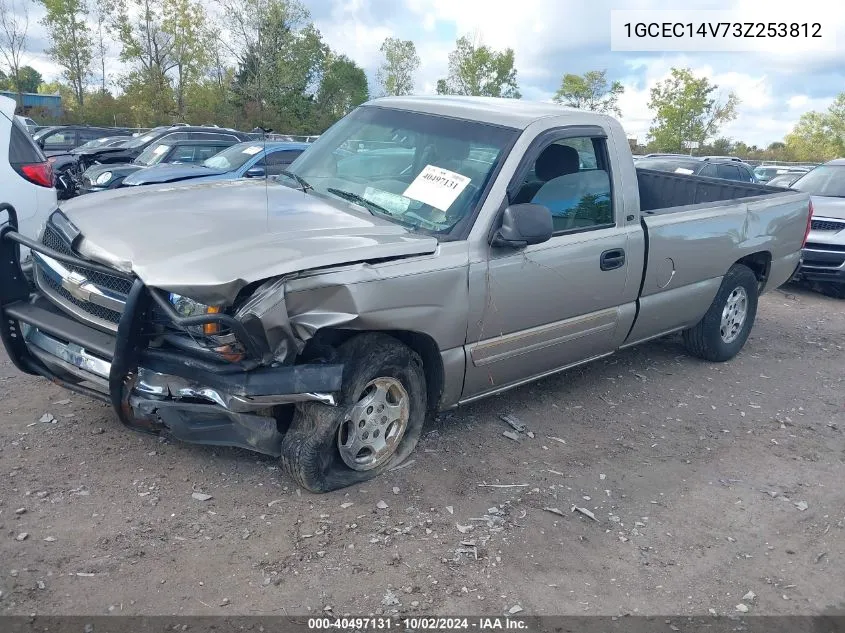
{"type": "Point", "coordinates": [826, 180]}
{"type": "Point", "coordinates": [233, 157]}
{"type": "Point", "coordinates": [145, 138]}
{"type": "Point", "coordinates": [153, 155]}
{"type": "Point", "coordinates": [415, 169]}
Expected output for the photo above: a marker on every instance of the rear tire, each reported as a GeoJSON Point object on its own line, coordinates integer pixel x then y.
{"type": "Point", "coordinates": [725, 327]}
{"type": "Point", "coordinates": [375, 426]}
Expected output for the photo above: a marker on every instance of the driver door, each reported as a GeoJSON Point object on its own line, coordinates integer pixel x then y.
{"type": "Point", "coordinates": [547, 306]}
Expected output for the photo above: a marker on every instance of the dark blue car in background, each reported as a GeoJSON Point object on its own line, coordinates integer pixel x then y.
{"type": "Point", "coordinates": [252, 159]}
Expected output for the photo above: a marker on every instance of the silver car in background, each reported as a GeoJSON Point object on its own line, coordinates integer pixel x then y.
{"type": "Point", "coordinates": [824, 253]}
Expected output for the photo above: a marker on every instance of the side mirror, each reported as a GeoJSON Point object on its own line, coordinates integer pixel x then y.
{"type": "Point", "coordinates": [40, 143]}
{"type": "Point", "coordinates": [255, 172]}
{"type": "Point", "coordinates": [523, 225]}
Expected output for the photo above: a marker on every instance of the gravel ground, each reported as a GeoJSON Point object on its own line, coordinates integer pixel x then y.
{"type": "Point", "coordinates": [706, 482]}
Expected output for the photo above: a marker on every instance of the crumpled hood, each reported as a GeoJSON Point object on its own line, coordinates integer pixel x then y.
{"type": "Point", "coordinates": [170, 173]}
{"type": "Point", "coordinates": [207, 241]}
{"type": "Point", "coordinates": [828, 207]}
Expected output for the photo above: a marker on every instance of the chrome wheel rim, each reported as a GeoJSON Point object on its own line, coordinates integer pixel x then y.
{"type": "Point", "coordinates": [371, 432]}
{"type": "Point", "coordinates": [734, 314]}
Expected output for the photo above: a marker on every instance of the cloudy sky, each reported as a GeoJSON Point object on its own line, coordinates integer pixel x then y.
{"type": "Point", "coordinates": [552, 37]}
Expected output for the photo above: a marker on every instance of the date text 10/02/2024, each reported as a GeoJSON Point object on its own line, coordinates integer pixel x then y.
{"type": "Point", "coordinates": [419, 623]}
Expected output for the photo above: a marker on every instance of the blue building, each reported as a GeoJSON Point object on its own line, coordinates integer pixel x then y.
{"type": "Point", "coordinates": [34, 103]}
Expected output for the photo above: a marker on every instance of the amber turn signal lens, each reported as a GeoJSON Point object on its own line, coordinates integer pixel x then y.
{"type": "Point", "coordinates": [211, 328]}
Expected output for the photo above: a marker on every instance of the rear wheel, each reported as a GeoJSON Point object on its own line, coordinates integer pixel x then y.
{"type": "Point", "coordinates": [376, 425]}
{"type": "Point", "coordinates": [725, 327]}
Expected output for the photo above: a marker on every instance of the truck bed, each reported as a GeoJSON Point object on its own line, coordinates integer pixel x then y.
{"type": "Point", "coordinates": [695, 228]}
{"type": "Point", "coordinates": [665, 192]}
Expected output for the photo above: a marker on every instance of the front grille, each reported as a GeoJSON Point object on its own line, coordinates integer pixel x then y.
{"type": "Point", "coordinates": [90, 308]}
{"type": "Point", "coordinates": [826, 262]}
{"type": "Point", "coordinates": [86, 310]}
{"type": "Point", "coordinates": [816, 246]}
{"type": "Point", "coordinates": [827, 225]}
{"type": "Point", "coordinates": [119, 285]}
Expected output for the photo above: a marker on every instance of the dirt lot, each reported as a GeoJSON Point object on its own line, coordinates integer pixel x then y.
{"type": "Point", "coordinates": [706, 482]}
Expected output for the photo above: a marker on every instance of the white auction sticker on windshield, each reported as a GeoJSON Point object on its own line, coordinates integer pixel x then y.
{"type": "Point", "coordinates": [437, 187]}
{"type": "Point", "coordinates": [683, 170]}
{"type": "Point", "coordinates": [252, 150]}
{"type": "Point", "coordinates": [160, 150]}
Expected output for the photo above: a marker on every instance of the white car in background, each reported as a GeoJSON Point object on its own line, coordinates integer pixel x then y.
{"type": "Point", "coordinates": [26, 177]}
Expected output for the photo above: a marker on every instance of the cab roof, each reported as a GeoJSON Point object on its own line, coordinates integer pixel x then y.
{"type": "Point", "coordinates": [514, 113]}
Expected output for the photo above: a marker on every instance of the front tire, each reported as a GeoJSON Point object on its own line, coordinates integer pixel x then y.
{"type": "Point", "coordinates": [376, 425]}
{"type": "Point", "coordinates": [725, 327]}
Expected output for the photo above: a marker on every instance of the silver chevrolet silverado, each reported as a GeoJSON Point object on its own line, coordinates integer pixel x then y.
{"type": "Point", "coordinates": [425, 252]}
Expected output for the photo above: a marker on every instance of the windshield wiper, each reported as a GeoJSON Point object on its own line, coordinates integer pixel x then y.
{"type": "Point", "coordinates": [299, 179]}
{"type": "Point", "coordinates": [369, 205]}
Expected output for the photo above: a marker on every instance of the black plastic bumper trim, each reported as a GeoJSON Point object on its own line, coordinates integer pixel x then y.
{"type": "Point", "coordinates": [268, 381]}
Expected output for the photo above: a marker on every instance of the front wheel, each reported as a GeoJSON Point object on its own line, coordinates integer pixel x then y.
{"type": "Point", "coordinates": [725, 327]}
{"type": "Point", "coordinates": [376, 425]}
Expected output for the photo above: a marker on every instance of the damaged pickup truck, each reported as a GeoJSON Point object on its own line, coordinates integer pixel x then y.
{"type": "Point", "coordinates": [425, 252]}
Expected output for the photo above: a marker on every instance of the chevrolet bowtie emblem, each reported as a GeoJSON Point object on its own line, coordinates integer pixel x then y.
{"type": "Point", "coordinates": [75, 285]}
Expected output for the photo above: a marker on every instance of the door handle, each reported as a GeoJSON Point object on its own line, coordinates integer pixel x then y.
{"type": "Point", "coordinates": [612, 259]}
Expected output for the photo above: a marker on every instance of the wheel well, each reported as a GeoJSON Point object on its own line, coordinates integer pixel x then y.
{"type": "Point", "coordinates": [421, 343]}
{"type": "Point", "coordinates": [760, 264]}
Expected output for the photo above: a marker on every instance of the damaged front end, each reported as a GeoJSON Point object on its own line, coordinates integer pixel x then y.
{"type": "Point", "coordinates": [226, 375]}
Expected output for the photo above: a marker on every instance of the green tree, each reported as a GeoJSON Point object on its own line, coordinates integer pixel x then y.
{"type": "Point", "coordinates": [281, 58]}
{"type": "Point", "coordinates": [590, 91]}
{"type": "Point", "coordinates": [148, 48]}
{"type": "Point", "coordinates": [103, 9]}
{"type": "Point", "coordinates": [4, 81]}
{"type": "Point", "coordinates": [722, 146]}
{"type": "Point", "coordinates": [686, 109]}
{"type": "Point", "coordinates": [395, 76]}
{"type": "Point", "coordinates": [29, 79]}
{"type": "Point", "coordinates": [819, 135]}
{"type": "Point", "coordinates": [14, 26]}
{"type": "Point", "coordinates": [185, 23]}
{"type": "Point", "coordinates": [476, 69]}
{"type": "Point", "coordinates": [71, 42]}
{"type": "Point", "coordinates": [342, 88]}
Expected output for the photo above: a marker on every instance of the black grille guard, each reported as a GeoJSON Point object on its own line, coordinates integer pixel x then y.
{"type": "Point", "coordinates": [20, 290]}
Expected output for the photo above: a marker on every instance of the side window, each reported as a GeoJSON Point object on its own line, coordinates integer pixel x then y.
{"type": "Point", "coordinates": [728, 172]}
{"type": "Point", "coordinates": [173, 136]}
{"type": "Point", "coordinates": [207, 151]}
{"type": "Point", "coordinates": [747, 176]}
{"type": "Point", "coordinates": [212, 136]}
{"type": "Point", "coordinates": [60, 138]}
{"type": "Point", "coordinates": [183, 154]}
{"type": "Point", "coordinates": [89, 135]}
{"type": "Point", "coordinates": [570, 177]}
{"type": "Point", "coordinates": [709, 170]}
{"type": "Point", "coordinates": [278, 161]}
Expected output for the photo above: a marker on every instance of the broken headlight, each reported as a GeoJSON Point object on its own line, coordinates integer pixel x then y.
{"type": "Point", "coordinates": [187, 307]}
{"type": "Point", "coordinates": [208, 336]}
